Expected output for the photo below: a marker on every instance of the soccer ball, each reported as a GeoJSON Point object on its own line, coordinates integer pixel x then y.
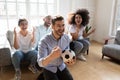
{"type": "Point", "coordinates": [67, 55]}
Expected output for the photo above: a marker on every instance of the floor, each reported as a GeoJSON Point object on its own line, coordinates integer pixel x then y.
{"type": "Point", "coordinates": [93, 69]}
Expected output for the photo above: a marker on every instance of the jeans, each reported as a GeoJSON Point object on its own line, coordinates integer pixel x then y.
{"type": "Point", "coordinates": [79, 46]}
{"type": "Point", "coordinates": [59, 75]}
{"type": "Point", "coordinates": [19, 55]}
{"type": "Point", "coordinates": [85, 44]}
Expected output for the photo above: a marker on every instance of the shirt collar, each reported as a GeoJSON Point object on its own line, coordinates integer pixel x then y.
{"type": "Point", "coordinates": [54, 37]}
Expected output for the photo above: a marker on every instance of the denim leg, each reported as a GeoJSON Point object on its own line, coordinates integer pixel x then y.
{"type": "Point", "coordinates": [16, 59]}
{"type": "Point", "coordinates": [77, 47]}
{"type": "Point", "coordinates": [85, 45]}
{"type": "Point", "coordinates": [31, 56]}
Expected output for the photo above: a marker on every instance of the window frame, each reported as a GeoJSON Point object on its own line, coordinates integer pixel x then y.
{"type": "Point", "coordinates": [114, 19]}
{"type": "Point", "coordinates": [29, 17]}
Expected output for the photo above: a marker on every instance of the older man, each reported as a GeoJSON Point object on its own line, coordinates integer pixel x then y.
{"type": "Point", "coordinates": [42, 30]}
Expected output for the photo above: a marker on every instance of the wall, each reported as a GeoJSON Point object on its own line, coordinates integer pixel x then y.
{"type": "Point", "coordinates": [103, 18]}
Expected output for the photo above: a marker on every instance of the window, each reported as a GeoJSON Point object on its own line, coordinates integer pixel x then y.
{"type": "Point", "coordinates": [116, 21]}
{"type": "Point", "coordinates": [32, 10]}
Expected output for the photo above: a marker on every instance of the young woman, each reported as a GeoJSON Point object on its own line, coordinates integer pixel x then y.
{"type": "Point", "coordinates": [23, 43]}
{"type": "Point", "coordinates": [78, 33]}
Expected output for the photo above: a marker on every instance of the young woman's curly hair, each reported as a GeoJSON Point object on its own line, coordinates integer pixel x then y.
{"type": "Point", "coordinates": [84, 14]}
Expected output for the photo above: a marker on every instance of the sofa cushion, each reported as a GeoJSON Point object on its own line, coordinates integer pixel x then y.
{"type": "Point", "coordinates": [112, 50]}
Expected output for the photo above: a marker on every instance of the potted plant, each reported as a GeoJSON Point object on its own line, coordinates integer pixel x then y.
{"type": "Point", "coordinates": [87, 28]}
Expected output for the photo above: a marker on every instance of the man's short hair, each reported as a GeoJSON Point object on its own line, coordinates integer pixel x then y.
{"type": "Point", "coordinates": [47, 16]}
{"type": "Point", "coordinates": [57, 18]}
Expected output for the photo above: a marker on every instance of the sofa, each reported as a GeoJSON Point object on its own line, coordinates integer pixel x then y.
{"type": "Point", "coordinates": [6, 53]}
{"type": "Point", "coordinates": [112, 50]}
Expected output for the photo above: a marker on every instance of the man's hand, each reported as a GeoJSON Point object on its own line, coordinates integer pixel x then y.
{"type": "Point", "coordinates": [56, 52]}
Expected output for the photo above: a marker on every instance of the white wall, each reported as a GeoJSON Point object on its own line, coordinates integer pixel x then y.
{"type": "Point", "coordinates": [103, 18]}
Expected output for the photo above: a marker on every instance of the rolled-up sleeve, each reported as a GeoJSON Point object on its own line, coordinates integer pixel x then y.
{"type": "Point", "coordinates": [42, 52]}
{"type": "Point", "coordinates": [40, 62]}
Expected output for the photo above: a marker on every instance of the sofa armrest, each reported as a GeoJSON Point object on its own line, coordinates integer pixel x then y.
{"type": "Point", "coordinates": [5, 57]}
{"type": "Point", "coordinates": [108, 39]}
